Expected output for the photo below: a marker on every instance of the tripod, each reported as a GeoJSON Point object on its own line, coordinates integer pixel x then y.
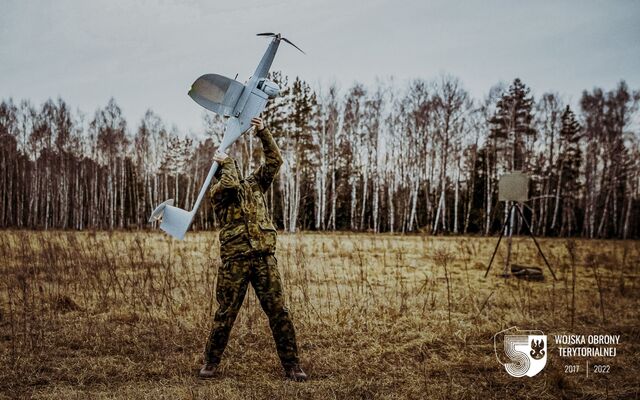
{"type": "Point", "coordinates": [516, 205]}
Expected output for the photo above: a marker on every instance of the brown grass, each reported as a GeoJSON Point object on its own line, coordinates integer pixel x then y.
{"type": "Point", "coordinates": [126, 315]}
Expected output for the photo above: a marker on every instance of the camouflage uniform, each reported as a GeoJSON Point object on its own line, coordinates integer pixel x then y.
{"type": "Point", "coordinates": [247, 245]}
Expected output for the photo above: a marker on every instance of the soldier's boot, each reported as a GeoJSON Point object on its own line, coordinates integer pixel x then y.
{"type": "Point", "coordinates": [295, 373]}
{"type": "Point", "coordinates": [208, 371]}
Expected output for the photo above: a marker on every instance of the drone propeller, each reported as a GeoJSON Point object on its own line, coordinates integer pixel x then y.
{"type": "Point", "coordinates": [277, 35]}
{"type": "Point", "coordinates": [289, 41]}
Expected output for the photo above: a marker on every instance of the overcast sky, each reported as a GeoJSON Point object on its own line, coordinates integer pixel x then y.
{"type": "Point", "coordinates": [146, 53]}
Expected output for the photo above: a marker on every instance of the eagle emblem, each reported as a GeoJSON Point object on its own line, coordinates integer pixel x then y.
{"type": "Point", "coordinates": [537, 349]}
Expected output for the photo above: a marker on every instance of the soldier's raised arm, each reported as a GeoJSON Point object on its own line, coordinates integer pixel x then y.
{"type": "Point", "coordinates": [265, 173]}
{"type": "Point", "coordinates": [229, 183]}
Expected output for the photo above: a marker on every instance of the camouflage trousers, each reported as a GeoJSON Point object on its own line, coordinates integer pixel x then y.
{"type": "Point", "coordinates": [234, 277]}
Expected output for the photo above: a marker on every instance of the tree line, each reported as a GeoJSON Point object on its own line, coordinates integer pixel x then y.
{"type": "Point", "coordinates": [424, 156]}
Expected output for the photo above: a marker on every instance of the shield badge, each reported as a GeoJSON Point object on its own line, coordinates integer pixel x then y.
{"type": "Point", "coordinates": [521, 352]}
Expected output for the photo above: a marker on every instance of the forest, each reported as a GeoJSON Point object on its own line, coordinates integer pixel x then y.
{"type": "Point", "coordinates": [421, 156]}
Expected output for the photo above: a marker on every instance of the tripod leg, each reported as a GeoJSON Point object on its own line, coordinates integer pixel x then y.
{"type": "Point", "coordinates": [504, 224]}
{"type": "Point", "coordinates": [526, 223]}
{"type": "Point", "coordinates": [511, 215]}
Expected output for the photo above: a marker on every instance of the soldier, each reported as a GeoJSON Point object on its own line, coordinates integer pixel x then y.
{"type": "Point", "coordinates": [247, 247]}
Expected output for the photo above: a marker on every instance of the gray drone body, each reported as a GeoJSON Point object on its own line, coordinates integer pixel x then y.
{"type": "Point", "coordinates": [228, 98]}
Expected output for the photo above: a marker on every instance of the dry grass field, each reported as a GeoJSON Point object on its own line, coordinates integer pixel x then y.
{"type": "Point", "coordinates": [126, 315]}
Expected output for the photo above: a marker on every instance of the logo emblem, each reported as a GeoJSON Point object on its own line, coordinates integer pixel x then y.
{"type": "Point", "coordinates": [521, 352]}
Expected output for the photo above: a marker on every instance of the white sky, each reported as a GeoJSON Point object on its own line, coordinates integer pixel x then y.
{"type": "Point", "coordinates": [146, 53]}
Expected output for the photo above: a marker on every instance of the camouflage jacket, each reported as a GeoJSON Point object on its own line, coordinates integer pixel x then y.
{"type": "Point", "coordinates": [240, 206]}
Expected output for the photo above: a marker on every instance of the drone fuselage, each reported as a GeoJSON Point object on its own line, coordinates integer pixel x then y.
{"type": "Point", "coordinates": [228, 98]}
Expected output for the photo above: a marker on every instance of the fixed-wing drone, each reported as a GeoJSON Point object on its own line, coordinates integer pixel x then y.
{"type": "Point", "coordinates": [232, 99]}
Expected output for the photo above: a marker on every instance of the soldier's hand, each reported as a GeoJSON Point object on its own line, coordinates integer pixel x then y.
{"type": "Point", "coordinates": [220, 157]}
{"type": "Point", "coordinates": [258, 123]}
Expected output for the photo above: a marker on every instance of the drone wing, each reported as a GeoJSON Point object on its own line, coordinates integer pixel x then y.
{"type": "Point", "coordinates": [216, 93]}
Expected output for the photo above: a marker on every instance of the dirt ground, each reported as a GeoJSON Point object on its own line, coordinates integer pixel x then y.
{"type": "Point", "coordinates": [126, 315]}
